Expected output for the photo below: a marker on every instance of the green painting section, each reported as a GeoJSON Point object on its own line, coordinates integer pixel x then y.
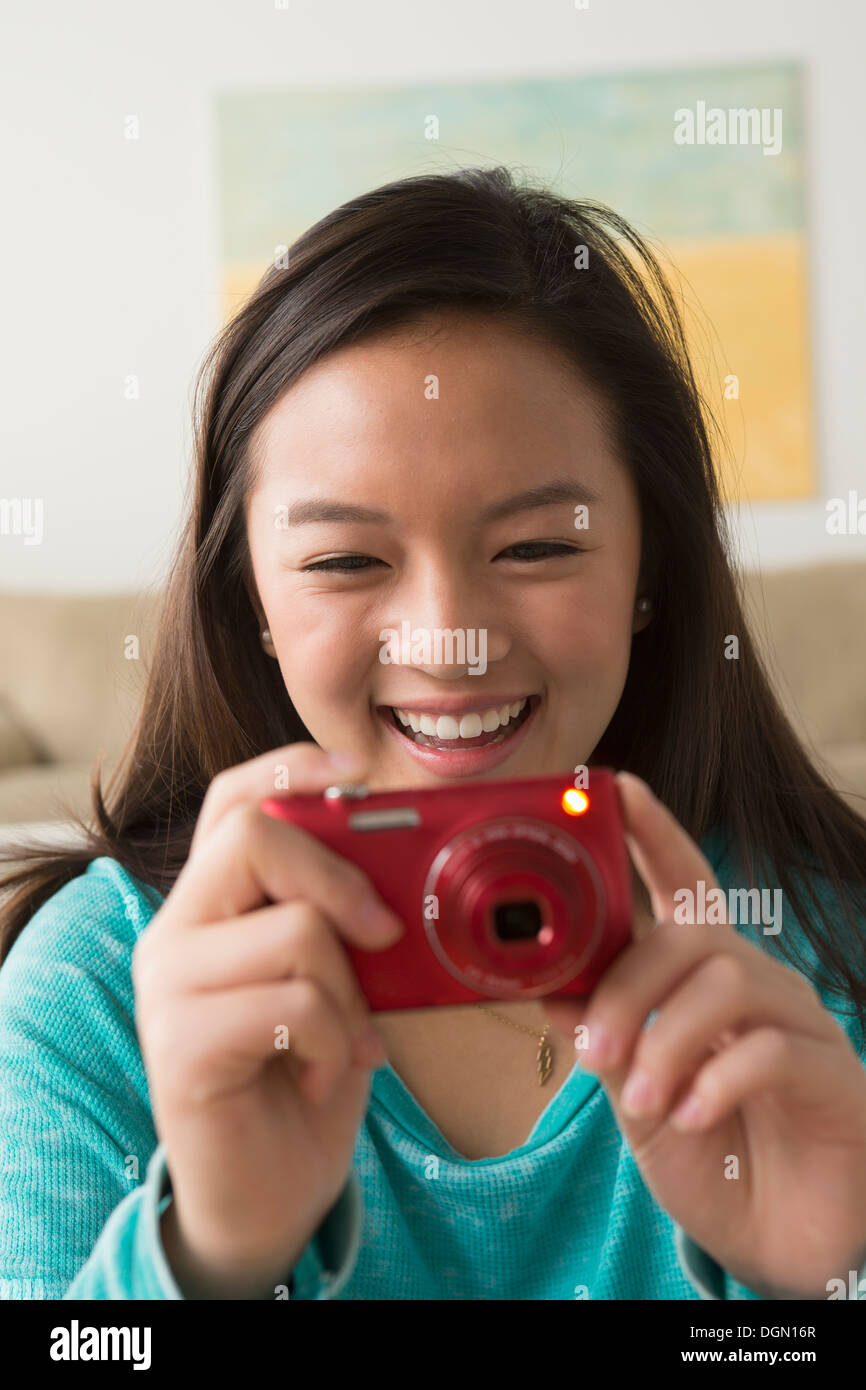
{"type": "Point", "coordinates": [287, 157]}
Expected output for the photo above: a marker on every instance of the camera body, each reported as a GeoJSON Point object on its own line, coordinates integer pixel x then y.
{"type": "Point", "coordinates": [508, 889]}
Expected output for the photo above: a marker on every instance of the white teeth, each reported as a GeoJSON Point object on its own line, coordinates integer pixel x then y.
{"type": "Point", "coordinates": [446, 726]}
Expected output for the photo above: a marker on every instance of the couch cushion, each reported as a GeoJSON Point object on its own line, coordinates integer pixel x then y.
{"type": "Point", "coordinates": [845, 764]}
{"type": "Point", "coordinates": [817, 653]}
{"type": "Point", "coordinates": [64, 676]}
{"type": "Point", "coordinates": [17, 749]}
{"type": "Point", "coordinates": [42, 793]}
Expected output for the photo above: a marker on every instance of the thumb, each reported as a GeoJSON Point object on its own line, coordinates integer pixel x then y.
{"type": "Point", "coordinates": [664, 854]}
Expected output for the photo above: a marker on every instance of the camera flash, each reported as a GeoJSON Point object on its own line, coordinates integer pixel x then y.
{"type": "Point", "coordinates": [574, 801]}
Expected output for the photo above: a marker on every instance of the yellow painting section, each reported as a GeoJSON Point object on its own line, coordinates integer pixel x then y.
{"type": "Point", "coordinates": [238, 283]}
{"type": "Point", "coordinates": [745, 311]}
{"type": "Point", "coordinates": [752, 323]}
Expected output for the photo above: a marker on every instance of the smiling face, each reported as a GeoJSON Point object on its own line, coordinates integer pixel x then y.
{"type": "Point", "coordinates": [391, 508]}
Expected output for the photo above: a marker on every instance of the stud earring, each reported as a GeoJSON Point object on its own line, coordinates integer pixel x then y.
{"type": "Point", "coordinates": [644, 605]}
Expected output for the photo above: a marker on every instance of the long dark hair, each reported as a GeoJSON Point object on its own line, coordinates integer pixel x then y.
{"type": "Point", "coordinates": [707, 733]}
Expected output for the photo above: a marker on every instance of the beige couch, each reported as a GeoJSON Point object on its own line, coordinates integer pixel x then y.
{"type": "Point", "coordinates": [68, 688]}
{"type": "Point", "coordinates": [67, 691]}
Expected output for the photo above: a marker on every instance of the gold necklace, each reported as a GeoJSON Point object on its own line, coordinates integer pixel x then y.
{"type": "Point", "coordinates": [545, 1055]}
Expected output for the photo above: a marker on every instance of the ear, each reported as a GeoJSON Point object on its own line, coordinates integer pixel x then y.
{"type": "Point", "coordinates": [249, 583]}
{"type": "Point", "coordinates": [647, 583]}
{"type": "Point", "coordinates": [261, 620]}
{"type": "Point", "coordinates": [260, 616]}
{"type": "Point", "coordinates": [643, 612]}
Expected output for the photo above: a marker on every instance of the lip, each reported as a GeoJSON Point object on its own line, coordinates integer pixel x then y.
{"type": "Point", "coordinates": [470, 761]}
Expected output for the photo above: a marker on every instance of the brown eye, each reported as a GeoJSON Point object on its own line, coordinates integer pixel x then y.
{"type": "Point", "coordinates": [539, 550]}
{"type": "Point", "coordinates": [343, 564]}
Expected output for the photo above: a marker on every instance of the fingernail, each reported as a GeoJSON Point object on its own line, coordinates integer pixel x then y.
{"type": "Point", "coordinates": [600, 1046]}
{"type": "Point", "coordinates": [689, 1114]}
{"type": "Point", "coordinates": [381, 921]}
{"type": "Point", "coordinates": [641, 783]}
{"type": "Point", "coordinates": [638, 1096]}
{"type": "Point", "coordinates": [322, 1087]}
{"type": "Point", "coordinates": [347, 762]}
{"type": "Point", "coordinates": [370, 1048]}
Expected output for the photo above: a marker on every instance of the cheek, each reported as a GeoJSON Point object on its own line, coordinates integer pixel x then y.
{"type": "Point", "coordinates": [583, 632]}
{"type": "Point", "coordinates": [322, 656]}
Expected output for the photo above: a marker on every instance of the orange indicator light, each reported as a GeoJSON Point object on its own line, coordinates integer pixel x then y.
{"type": "Point", "coordinates": [574, 801]}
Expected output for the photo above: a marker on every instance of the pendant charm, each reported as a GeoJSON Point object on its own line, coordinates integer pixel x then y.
{"type": "Point", "coordinates": [545, 1060]}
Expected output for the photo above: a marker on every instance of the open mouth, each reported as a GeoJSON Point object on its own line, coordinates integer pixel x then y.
{"type": "Point", "coordinates": [474, 729]}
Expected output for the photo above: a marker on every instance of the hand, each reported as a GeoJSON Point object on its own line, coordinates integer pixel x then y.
{"type": "Point", "coordinates": [247, 946]}
{"type": "Point", "coordinates": [745, 1039]}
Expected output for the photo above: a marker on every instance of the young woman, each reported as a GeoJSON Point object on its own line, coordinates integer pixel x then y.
{"type": "Point", "coordinates": [401, 426]}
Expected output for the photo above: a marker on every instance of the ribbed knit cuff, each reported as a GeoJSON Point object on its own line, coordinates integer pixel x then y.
{"type": "Point", "coordinates": [128, 1261]}
{"type": "Point", "coordinates": [700, 1268]}
{"type": "Point", "coordinates": [327, 1262]}
{"type": "Point", "coordinates": [323, 1267]}
{"type": "Point", "coordinates": [157, 1195]}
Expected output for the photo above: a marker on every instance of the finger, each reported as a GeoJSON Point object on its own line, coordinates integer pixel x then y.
{"type": "Point", "coordinates": [724, 996]}
{"type": "Point", "coordinates": [294, 768]}
{"type": "Point", "coordinates": [665, 855]}
{"type": "Point", "coordinates": [766, 1058]}
{"type": "Point", "coordinates": [252, 858]}
{"type": "Point", "coordinates": [282, 942]}
{"type": "Point", "coordinates": [251, 1026]}
{"type": "Point", "coordinates": [643, 976]}
{"type": "Point", "coordinates": [565, 1015]}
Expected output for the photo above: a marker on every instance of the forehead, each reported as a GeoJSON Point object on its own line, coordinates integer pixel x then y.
{"type": "Point", "coordinates": [449, 412]}
{"type": "Point", "coordinates": [456, 358]}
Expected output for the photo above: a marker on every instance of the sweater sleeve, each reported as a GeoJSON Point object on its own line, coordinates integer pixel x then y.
{"type": "Point", "coordinates": [83, 1177]}
{"type": "Point", "coordinates": [320, 1273]}
{"type": "Point", "coordinates": [129, 1262]}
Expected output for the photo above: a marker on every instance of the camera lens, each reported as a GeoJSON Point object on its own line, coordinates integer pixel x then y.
{"type": "Point", "coordinates": [519, 907]}
{"type": "Point", "coordinates": [517, 921]}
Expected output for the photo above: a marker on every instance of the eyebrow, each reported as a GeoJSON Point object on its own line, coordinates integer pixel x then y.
{"type": "Point", "coordinates": [330, 509]}
{"type": "Point", "coordinates": [545, 495]}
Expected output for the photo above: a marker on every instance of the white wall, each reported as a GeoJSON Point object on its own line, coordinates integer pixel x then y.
{"type": "Point", "coordinates": [109, 246]}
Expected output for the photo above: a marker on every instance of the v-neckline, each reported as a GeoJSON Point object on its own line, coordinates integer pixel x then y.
{"type": "Point", "coordinates": [389, 1090]}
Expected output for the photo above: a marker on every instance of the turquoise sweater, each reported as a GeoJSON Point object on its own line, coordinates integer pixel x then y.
{"type": "Point", "coordinates": [85, 1179]}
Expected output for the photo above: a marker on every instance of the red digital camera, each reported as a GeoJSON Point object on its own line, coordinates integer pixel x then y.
{"type": "Point", "coordinates": [508, 890]}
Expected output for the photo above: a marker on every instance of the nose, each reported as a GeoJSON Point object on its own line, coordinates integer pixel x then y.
{"type": "Point", "coordinates": [441, 630]}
